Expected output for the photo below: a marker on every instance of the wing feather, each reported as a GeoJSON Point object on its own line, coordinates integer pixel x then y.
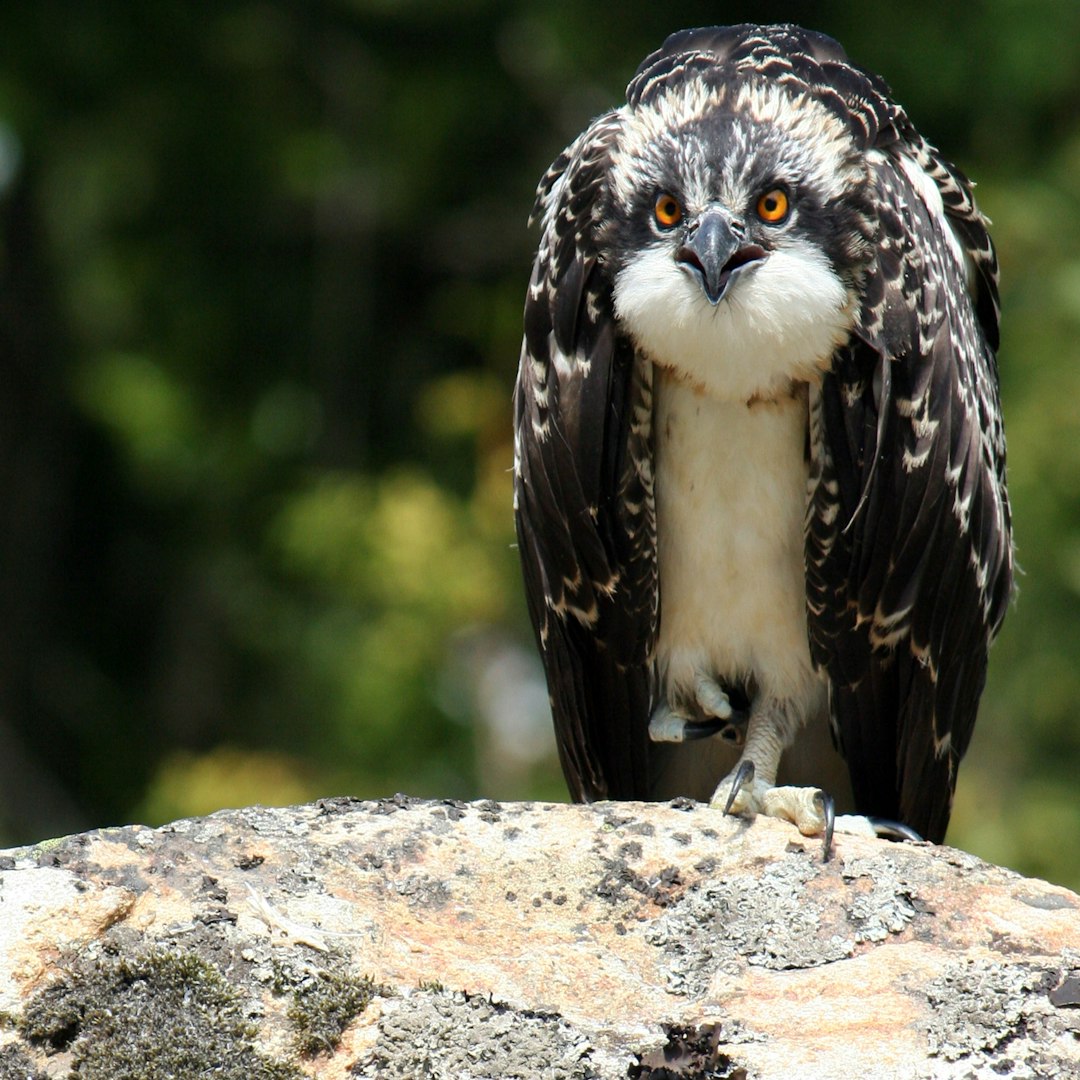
{"type": "Point", "coordinates": [909, 551]}
{"type": "Point", "coordinates": [583, 490]}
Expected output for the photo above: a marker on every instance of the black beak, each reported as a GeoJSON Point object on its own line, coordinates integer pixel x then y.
{"type": "Point", "coordinates": [714, 251]}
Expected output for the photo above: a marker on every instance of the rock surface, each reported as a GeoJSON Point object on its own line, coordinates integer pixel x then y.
{"type": "Point", "coordinates": [411, 939]}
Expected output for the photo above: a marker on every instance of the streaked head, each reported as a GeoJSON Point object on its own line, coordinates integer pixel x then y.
{"type": "Point", "coordinates": [741, 230]}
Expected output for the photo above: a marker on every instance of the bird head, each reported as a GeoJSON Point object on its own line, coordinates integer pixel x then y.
{"type": "Point", "coordinates": [741, 233]}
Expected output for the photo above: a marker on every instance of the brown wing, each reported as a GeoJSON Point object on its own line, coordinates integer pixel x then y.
{"type": "Point", "coordinates": [583, 489]}
{"type": "Point", "coordinates": [909, 549]}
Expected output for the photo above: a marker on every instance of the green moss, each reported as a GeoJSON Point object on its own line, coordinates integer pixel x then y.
{"type": "Point", "coordinates": [15, 1065]}
{"type": "Point", "coordinates": [159, 1014]}
{"type": "Point", "coordinates": [323, 1004]}
{"type": "Point", "coordinates": [43, 847]}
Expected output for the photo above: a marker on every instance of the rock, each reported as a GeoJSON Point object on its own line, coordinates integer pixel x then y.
{"type": "Point", "coordinates": [408, 938]}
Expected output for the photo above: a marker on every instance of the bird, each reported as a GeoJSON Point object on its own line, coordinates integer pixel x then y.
{"type": "Point", "coordinates": [759, 454]}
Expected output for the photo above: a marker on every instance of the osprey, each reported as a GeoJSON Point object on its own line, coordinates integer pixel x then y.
{"type": "Point", "coordinates": [759, 455]}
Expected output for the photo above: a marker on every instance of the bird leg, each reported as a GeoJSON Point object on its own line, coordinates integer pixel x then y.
{"type": "Point", "coordinates": [709, 712]}
{"type": "Point", "coordinates": [750, 787]}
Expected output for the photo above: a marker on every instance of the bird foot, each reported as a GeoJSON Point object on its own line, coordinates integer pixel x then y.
{"type": "Point", "coordinates": [668, 725]}
{"type": "Point", "coordinates": [811, 810]}
{"type": "Point", "coordinates": [713, 715]}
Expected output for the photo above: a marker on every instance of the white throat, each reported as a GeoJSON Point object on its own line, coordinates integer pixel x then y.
{"type": "Point", "coordinates": [778, 323]}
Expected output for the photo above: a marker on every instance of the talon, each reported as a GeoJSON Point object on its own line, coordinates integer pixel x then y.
{"type": "Point", "coordinates": [671, 724]}
{"type": "Point", "coordinates": [828, 811]}
{"type": "Point", "coordinates": [893, 830]}
{"type": "Point", "coordinates": [744, 774]}
{"type": "Point", "coordinates": [702, 729]}
{"type": "Point", "coordinates": [666, 725]}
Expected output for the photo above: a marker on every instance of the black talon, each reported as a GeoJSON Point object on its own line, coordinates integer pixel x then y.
{"type": "Point", "coordinates": [828, 809]}
{"type": "Point", "coordinates": [732, 730]}
{"type": "Point", "coordinates": [893, 830]}
{"type": "Point", "coordinates": [744, 774]}
{"type": "Point", "coordinates": [703, 729]}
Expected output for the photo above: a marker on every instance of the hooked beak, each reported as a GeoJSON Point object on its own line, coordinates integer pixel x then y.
{"type": "Point", "coordinates": [714, 252]}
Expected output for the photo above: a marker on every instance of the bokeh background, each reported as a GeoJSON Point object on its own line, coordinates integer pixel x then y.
{"type": "Point", "coordinates": [261, 273]}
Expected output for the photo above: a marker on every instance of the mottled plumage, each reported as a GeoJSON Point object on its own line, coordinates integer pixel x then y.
{"type": "Point", "coordinates": [760, 463]}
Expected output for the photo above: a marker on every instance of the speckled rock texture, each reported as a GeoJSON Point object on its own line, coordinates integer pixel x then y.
{"type": "Point", "coordinates": [411, 939]}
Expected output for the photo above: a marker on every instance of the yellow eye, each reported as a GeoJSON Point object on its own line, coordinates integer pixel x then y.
{"type": "Point", "coordinates": [667, 211]}
{"type": "Point", "coordinates": [773, 206]}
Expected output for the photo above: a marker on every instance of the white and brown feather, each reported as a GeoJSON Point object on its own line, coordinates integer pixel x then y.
{"type": "Point", "coordinates": [668, 513]}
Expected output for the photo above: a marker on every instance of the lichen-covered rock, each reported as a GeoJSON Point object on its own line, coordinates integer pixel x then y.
{"type": "Point", "coordinates": [409, 938]}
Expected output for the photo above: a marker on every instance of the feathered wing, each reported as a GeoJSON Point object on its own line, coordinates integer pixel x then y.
{"type": "Point", "coordinates": [908, 543]}
{"type": "Point", "coordinates": [583, 486]}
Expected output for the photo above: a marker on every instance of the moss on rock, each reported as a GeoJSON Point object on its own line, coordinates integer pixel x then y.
{"type": "Point", "coordinates": [156, 1014]}
{"type": "Point", "coordinates": [324, 1003]}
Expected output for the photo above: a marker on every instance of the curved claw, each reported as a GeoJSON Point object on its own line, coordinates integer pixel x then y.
{"type": "Point", "coordinates": [828, 811]}
{"type": "Point", "coordinates": [893, 830]}
{"type": "Point", "coordinates": [744, 774]}
{"type": "Point", "coordinates": [702, 729]}
{"type": "Point", "coordinates": [669, 725]}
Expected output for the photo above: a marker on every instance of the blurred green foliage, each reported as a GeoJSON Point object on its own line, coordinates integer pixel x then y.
{"type": "Point", "coordinates": [261, 273]}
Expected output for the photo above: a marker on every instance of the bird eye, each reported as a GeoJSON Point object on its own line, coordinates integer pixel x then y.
{"type": "Point", "coordinates": [773, 206]}
{"type": "Point", "coordinates": [667, 211]}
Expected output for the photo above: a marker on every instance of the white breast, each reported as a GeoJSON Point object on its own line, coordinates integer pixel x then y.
{"type": "Point", "coordinates": [731, 489]}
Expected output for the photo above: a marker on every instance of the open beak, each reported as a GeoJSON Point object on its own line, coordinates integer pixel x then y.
{"type": "Point", "coordinates": [714, 251]}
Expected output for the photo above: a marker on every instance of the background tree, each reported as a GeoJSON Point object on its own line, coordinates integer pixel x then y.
{"type": "Point", "coordinates": [261, 274]}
